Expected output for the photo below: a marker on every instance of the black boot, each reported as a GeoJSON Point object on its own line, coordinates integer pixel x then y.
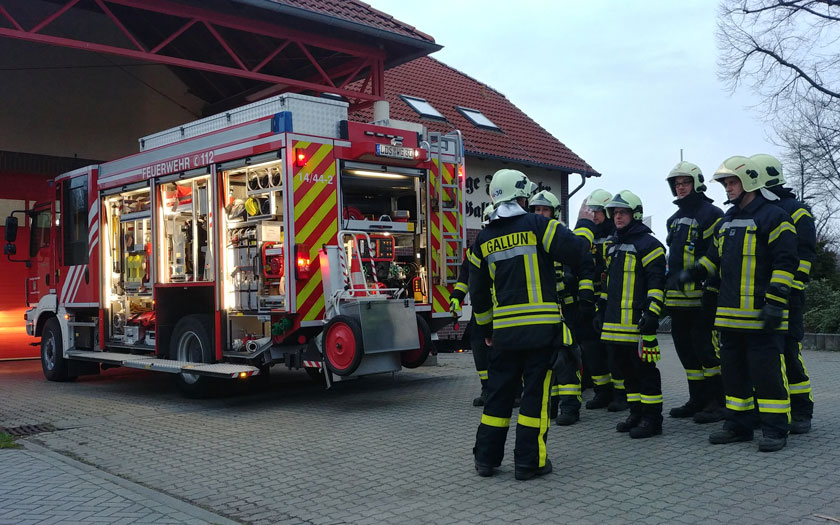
{"type": "Point", "coordinates": [568, 417]}
{"type": "Point", "coordinates": [602, 399]}
{"type": "Point", "coordinates": [800, 425]}
{"type": "Point", "coordinates": [695, 401]}
{"type": "Point", "coordinates": [619, 401]}
{"type": "Point", "coordinates": [713, 411]}
{"type": "Point", "coordinates": [771, 443]}
{"type": "Point", "coordinates": [480, 400]}
{"type": "Point", "coordinates": [726, 436]}
{"type": "Point", "coordinates": [647, 427]}
{"type": "Point", "coordinates": [524, 474]}
{"type": "Point", "coordinates": [629, 423]}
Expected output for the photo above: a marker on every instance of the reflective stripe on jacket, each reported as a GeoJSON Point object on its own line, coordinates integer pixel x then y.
{"type": "Point", "coordinates": [513, 283]}
{"type": "Point", "coordinates": [754, 253]}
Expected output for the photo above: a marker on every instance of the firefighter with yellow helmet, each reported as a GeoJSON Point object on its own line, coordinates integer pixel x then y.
{"type": "Point", "coordinates": [690, 232]}
{"type": "Point", "coordinates": [607, 380]}
{"type": "Point", "coordinates": [630, 318]}
{"type": "Point", "coordinates": [512, 286]}
{"type": "Point", "coordinates": [575, 294]}
{"type": "Point", "coordinates": [801, 401]}
{"type": "Point", "coordinates": [754, 255]}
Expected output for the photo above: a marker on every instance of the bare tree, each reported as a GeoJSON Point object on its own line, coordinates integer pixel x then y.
{"type": "Point", "coordinates": [788, 52]}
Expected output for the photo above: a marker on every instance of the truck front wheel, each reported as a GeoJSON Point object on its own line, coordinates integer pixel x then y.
{"type": "Point", "coordinates": [52, 352]}
{"type": "Point", "coordinates": [192, 343]}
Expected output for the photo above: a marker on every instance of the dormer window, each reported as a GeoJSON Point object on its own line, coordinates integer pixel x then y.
{"type": "Point", "coordinates": [477, 118]}
{"type": "Point", "coordinates": [422, 107]}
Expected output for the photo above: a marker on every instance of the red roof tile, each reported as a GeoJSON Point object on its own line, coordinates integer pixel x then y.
{"type": "Point", "coordinates": [358, 12]}
{"type": "Point", "coordinates": [521, 138]}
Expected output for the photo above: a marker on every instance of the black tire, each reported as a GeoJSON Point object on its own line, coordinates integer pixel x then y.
{"type": "Point", "coordinates": [342, 343]}
{"type": "Point", "coordinates": [52, 352]}
{"type": "Point", "coordinates": [418, 356]}
{"type": "Point", "coordinates": [192, 340]}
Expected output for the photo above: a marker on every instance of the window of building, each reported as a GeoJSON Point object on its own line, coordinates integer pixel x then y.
{"type": "Point", "coordinates": [477, 117]}
{"type": "Point", "coordinates": [422, 107]}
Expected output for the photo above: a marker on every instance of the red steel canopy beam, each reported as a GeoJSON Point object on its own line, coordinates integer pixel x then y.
{"type": "Point", "coordinates": [369, 55]}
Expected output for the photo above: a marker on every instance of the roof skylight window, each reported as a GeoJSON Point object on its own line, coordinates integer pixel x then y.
{"type": "Point", "coordinates": [477, 117]}
{"type": "Point", "coordinates": [422, 107]}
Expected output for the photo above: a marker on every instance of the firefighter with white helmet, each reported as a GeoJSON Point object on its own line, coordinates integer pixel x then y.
{"type": "Point", "coordinates": [630, 318]}
{"type": "Point", "coordinates": [516, 310]}
{"type": "Point", "coordinates": [607, 379]}
{"type": "Point", "coordinates": [575, 293]}
{"type": "Point", "coordinates": [754, 255]}
{"type": "Point", "coordinates": [690, 232]}
{"type": "Point", "coordinates": [801, 401]}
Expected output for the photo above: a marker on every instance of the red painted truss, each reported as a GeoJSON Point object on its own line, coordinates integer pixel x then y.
{"type": "Point", "coordinates": [248, 48]}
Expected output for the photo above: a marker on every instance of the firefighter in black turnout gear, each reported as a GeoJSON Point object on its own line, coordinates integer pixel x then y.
{"type": "Point", "coordinates": [575, 294]}
{"type": "Point", "coordinates": [635, 295]}
{"type": "Point", "coordinates": [754, 254]}
{"type": "Point", "coordinates": [512, 286]}
{"type": "Point", "coordinates": [608, 383]}
{"type": "Point", "coordinates": [801, 401]}
{"type": "Point", "coordinates": [690, 232]}
{"type": "Point", "coordinates": [477, 345]}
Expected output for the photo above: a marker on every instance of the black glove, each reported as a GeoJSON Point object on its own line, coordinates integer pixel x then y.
{"type": "Point", "coordinates": [648, 323]}
{"type": "Point", "coordinates": [772, 317]}
{"type": "Point", "coordinates": [708, 305]}
{"type": "Point", "coordinates": [566, 356]}
{"type": "Point", "coordinates": [586, 311]}
{"type": "Point", "coordinates": [695, 274]}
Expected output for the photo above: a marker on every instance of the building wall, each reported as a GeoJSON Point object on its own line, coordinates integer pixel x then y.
{"type": "Point", "coordinates": [478, 173]}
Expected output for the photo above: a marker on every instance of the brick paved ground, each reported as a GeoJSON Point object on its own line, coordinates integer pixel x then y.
{"type": "Point", "coordinates": [379, 451]}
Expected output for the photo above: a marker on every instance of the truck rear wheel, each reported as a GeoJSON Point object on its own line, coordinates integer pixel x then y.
{"type": "Point", "coordinates": [415, 358]}
{"type": "Point", "coordinates": [342, 345]}
{"type": "Point", "coordinates": [192, 342]}
{"type": "Point", "coordinates": [52, 352]}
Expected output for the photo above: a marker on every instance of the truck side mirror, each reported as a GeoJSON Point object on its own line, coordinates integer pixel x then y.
{"type": "Point", "coordinates": [11, 229]}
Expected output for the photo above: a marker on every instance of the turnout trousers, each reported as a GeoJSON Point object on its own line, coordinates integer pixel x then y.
{"type": "Point", "coordinates": [565, 385]}
{"type": "Point", "coordinates": [693, 341]}
{"type": "Point", "coordinates": [754, 373]}
{"type": "Point", "coordinates": [509, 369]}
{"type": "Point", "coordinates": [480, 352]}
{"type": "Point", "coordinates": [641, 379]}
{"type": "Point", "coordinates": [801, 401]}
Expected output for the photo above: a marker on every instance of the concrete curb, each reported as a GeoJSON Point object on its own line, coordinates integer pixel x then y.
{"type": "Point", "coordinates": [829, 342]}
{"type": "Point", "coordinates": [144, 492]}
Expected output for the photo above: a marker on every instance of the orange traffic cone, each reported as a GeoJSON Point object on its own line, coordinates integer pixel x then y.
{"type": "Point", "coordinates": [357, 278]}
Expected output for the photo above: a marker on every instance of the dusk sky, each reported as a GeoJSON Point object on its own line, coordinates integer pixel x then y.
{"type": "Point", "coordinates": [625, 85]}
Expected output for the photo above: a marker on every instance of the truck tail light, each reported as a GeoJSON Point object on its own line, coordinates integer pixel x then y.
{"type": "Point", "coordinates": [302, 262]}
{"type": "Point", "coordinates": [300, 157]}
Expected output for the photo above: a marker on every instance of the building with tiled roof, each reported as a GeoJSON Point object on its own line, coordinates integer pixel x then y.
{"type": "Point", "coordinates": [497, 134]}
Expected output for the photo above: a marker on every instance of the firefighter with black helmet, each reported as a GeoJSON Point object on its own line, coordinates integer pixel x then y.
{"type": "Point", "coordinates": [607, 380]}
{"type": "Point", "coordinates": [801, 401]}
{"type": "Point", "coordinates": [575, 294]}
{"type": "Point", "coordinates": [635, 296]}
{"type": "Point", "coordinates": [690, 232]}
{"type": "Point", "coordinates": [512, 286]}
{"type": "Point", "coordinates": [754, 255]}
{"type": "Point", "coordinates": [477, 346]}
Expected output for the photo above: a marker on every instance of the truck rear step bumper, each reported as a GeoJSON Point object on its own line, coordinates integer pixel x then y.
{"type": "Point", "coordinates": [220, 370]}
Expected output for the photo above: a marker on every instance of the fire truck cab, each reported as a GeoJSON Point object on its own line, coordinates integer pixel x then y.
{"type": "Point", "coordinates": [278, 232]}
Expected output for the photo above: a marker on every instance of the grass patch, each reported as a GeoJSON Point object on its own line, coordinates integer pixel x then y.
{"type": "Point", "coordinates": [7, 441]}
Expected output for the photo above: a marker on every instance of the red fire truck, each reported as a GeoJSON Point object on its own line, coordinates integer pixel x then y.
{"type": "Point", "coordinates": [278, 232]}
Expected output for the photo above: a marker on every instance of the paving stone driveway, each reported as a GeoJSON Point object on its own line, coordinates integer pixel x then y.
{"type": "Point", "coordinates": [382, 451]}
